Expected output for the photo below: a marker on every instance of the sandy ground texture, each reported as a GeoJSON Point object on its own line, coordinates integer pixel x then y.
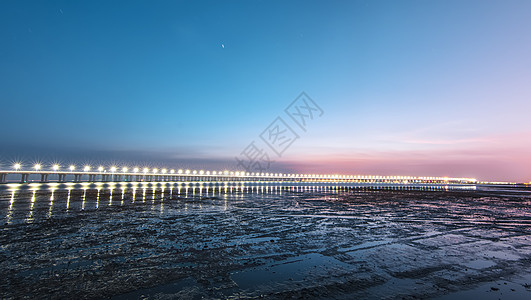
{"type": "Point", "coordinates": [276, 243]}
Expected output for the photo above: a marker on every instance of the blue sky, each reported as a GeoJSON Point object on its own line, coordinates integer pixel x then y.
{"type": "Point", "coordinates": [408, 87]}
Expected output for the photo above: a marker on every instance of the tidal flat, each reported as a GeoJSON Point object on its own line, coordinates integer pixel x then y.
{"type": "Point", "coordinates": [164, 242]}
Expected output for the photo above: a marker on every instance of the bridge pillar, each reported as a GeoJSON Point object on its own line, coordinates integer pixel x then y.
{"type": "Point", "coordinates": [3, 178]}
{"type": "Point", "coordinates": [77, 177]}
{"type": "Point", "coordinates": [44, 177]}
{"type": "Point", "coordinates": [24, 178]}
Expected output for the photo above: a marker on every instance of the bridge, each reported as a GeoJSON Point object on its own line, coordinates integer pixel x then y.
{"type": "Point", "coordinates": [125, 174]}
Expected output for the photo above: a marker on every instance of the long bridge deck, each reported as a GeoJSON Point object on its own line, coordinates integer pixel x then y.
{"type": "Point", "coordinates": [10, 176]}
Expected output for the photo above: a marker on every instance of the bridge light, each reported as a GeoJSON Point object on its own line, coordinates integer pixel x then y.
{"type": "Point", "coordinates": [16, 166]}
{"type": "Point", "coordinates": [155, 170]}
{"type": "Point", "coordinates": [101, 169]}
{"type": "Point", "coordinates": [194, 172]}
{"type": "Point", "coordinates": [187, 171]}
{"type": "Point", "coordinates": [72, 167]}
{"type": "Point", "coordinates": [146, 170]}
{"type": "Point", "coordinates": [164, 171]}
{"type": "Point", "coordinates": [172, 171]}
{"type": "Point", "coordinates": [37, 167]}
{"type": "Point", "coordinates": [113, 169]}
{"type": "Point", "coordinates": [124, 169]}
{"type": "Point", "coordinates": [180, 171]}
{"type": "Point", "coordinates": [135, 170]}
{"type": "Point", "coordinates": [86, 168]}
{"type": "Point", "coordinates": [208, 172]}
{"type": "Point", "coordinates": [201, 172]}
{"type": "Point", "coordinates": [55, 167]}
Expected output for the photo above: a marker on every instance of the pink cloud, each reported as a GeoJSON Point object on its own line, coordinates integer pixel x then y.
{"type": "Point", "coordinates": [498, 157]}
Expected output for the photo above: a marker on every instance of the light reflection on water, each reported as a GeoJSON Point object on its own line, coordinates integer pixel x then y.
{"type": "Point", "coordinates": [52, 198]}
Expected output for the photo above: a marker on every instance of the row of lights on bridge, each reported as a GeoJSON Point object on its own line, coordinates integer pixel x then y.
{"type": "Point", "coordinates": [114, 169]}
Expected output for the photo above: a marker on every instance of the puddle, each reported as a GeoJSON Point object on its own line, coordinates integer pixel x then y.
{"type": "Point", "coordinates": [501, 255]}
{"type": "Point", "coordinates": [491, 291]}
{"type": "Point", "coordinates": [479, 264]}
{"type": "Point", "coordinates": [293, 269]}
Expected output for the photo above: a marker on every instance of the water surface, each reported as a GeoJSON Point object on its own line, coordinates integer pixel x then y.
{"type": "Point", "coordinates": [187, 241]}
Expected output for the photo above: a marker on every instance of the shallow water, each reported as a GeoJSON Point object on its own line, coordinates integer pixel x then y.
{"type": "Point", "coordinates": [163, 241]}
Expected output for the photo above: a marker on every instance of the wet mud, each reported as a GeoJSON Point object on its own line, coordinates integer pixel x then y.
{"type": "Point", "coordinates": [274, 243]}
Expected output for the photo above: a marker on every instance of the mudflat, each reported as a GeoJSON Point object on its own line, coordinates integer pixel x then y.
{"type": "Point", "coordinates": [282, 243]}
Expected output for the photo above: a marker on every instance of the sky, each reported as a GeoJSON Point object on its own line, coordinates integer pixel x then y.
{"type": "Point", "coordinates": [416, 88]}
